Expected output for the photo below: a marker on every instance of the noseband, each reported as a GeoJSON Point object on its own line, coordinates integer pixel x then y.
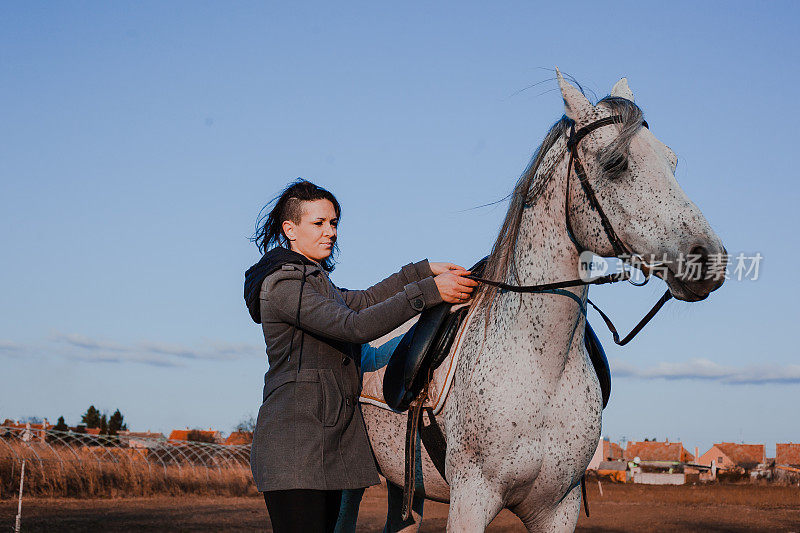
{"type": "Point", "coordinates": [620, 249]}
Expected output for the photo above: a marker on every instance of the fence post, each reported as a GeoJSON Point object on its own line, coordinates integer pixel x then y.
{"type": "Point", "coordinates": [19, 505]}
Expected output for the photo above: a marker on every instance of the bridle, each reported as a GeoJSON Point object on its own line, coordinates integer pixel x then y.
{"type": "Point", "coordinates": [619, 247]}
{"type": "Point", "coordinates": [573, 140]}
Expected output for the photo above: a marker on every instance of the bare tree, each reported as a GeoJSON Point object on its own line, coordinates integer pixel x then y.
{"type": "Point", "coordinates": [247, 424]}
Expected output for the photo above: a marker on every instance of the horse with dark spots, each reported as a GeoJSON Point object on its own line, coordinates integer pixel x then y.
{"type": "Point", "coordinates": [523, 415]}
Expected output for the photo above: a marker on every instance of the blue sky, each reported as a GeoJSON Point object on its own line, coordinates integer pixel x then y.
{"type": "Point", "coordinates": [140, 140]}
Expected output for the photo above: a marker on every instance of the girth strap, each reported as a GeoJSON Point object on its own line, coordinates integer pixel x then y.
{"type": "Point", "coordinates": [409, 481]}
{"type": "Point", "coordinates": [432, 438]}
{"type": "Point", "coordinates": [583, 495]}
{"type": "Point", "coordinates": [434, 441]}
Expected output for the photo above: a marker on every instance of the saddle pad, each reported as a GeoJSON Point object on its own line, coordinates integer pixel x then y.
{"type": "Point", "coordinates": [372, 385]}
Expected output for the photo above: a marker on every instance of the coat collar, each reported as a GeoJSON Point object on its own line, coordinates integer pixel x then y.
{"type": "Point", "coordinates": [271, 261]}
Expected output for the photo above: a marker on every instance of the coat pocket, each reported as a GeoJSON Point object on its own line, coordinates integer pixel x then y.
{"type": "Point", "coordinates": [275, 382]}
{"type": "Point", "coordinates": [332, 399]}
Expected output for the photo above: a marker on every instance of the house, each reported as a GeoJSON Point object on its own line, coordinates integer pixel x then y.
{"type": "Point", "coordinates": [658, 452]}
{"type": "Point", "coordinates": [29, 431]}
{"type": "Point", "coordinates": [658, 463]}
{"type": "Point", "coordinates": [239, 438]}
{"type": "Point", "coordinates": [141, 439]}
{"type": "Point", "coordinates": [26, 425]}
{"type": "Point", "coordinates": [613, 470]}
{"type": "Point", "coordinates": [606, 451]}
{"type": "Point", "coordinates": [612, 451]}
{"type": "Point", "coordinates": [787, 454]}
{"type": "Point", "coordinates": [201, 435]}
{"type": "Point", "coordinates": [732, 456]}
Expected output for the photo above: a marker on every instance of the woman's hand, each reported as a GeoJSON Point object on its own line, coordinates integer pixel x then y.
{"type": "Point", "coordinates": [453, 286]}
{"type": "Point", "coordinates": [441, 268]}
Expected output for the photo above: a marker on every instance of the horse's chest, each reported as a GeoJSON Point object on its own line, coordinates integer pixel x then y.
{"type": "Point", "coordinates": [572, 426]}
{"type": "Point", "coordinates": [530, 423]}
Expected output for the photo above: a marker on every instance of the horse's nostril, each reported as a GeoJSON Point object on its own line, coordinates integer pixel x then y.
{"type": "Point", "coordinates": [700, 252]}
{"type": "Point", "coordinates": [696, 264]}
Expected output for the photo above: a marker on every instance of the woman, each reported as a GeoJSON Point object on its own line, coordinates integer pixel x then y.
{"type": "Point", "coordinates": [310, 442]}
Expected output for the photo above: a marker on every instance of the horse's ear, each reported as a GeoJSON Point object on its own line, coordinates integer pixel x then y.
{"type": "Point", "coordinates": [622, 90]}
{"type": "Point", "coordinates": [576, 106]}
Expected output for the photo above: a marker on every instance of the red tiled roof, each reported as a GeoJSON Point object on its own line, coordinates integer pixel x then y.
{"type": "Point", "coordinates": [743, 454]}
{"type": "Point", "coordinates": [179, 434]}
{"type": "Point", "coordinates": [658, 451]}
{"type": "Point", "coordinates": [239, 437]}
{"type": "Point", "coordinates": [611, 450]}
{"type": "Point", "coordinates": [23, 425]}
{"type": "Point", "coordinates": [787, 454]}
{"type": "Point", "coordinates": [141, 434]}
{"type": "Point", "coordinates": [183, 434]}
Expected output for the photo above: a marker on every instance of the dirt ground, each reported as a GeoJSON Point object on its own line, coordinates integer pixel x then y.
{"type": "Point", "coordinates": [621, 508]}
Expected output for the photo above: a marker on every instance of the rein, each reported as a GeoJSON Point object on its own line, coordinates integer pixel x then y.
{"type": "Point", "coordinates": [618, 246]}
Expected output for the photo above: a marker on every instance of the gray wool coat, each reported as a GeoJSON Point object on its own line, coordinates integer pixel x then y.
{"type": "Point", "coordinates": [310, 433]}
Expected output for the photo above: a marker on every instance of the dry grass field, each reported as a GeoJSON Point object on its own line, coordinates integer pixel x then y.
{"type": "Point", "coordinates": [93, 480]}
{"type": "Point", "coordinates": [622, 508]}
{"type": "Point", "coordinates": [80, 471]}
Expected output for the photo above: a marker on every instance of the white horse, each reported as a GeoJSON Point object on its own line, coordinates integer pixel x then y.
{"type": "Point", "coordinates": [523, 415]}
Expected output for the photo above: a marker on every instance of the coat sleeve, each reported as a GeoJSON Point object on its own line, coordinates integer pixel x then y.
{"type": "Point", "coordinates": [326, 317]}
{"type": "Point", "coordinates": [412, 272]}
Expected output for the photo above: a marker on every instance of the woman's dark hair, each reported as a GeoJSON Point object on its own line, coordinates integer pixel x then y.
{"type": "Point", "coordinates": [288, 205]}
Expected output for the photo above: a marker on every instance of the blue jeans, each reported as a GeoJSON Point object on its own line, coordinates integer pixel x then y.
{"type": "Point", "coordinates": [374, 358]}
{"type": "Point", "coordinates": [371, 359]}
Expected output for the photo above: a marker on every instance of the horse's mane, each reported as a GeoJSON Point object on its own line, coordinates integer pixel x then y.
{"type": "Point", "coordinates": [501, 265]}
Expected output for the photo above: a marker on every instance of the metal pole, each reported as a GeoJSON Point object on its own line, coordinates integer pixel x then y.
{"type": "Point", "coordinates": [19, 505]}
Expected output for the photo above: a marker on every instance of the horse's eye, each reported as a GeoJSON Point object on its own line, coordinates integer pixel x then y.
{"type": "Point", "coordinates": [615, 165]}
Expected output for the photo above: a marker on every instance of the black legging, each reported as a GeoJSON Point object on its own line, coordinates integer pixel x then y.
{"type": "Point", "coordinates": [302, 510]}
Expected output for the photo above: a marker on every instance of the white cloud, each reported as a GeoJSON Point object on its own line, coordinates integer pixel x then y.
{"type": "Point", "coordinates": [155, 353]}
{"type": "Point", "coordinates": [106, 357]}
{"type": "Point", "coordinates": [10, 346]}
{"type": "Point", "coordinates": [12, 349]}
{"type": "Point", "coordinates": [87, 343]}
{"type": "Point", "coordinates": [168, 349]}
{"type": "Point", "coordinates": [214, 350]}
{"type": "Point", "coordinates": [236, 348]}
{"type": "Point", "coordinates": [705, 369]}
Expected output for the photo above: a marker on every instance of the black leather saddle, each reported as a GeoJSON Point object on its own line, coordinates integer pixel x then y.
{"type": "Point", "coordinates": [423, 348]}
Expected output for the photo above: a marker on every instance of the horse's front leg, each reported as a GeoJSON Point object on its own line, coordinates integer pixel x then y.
{"type": "Point", "coordinates": [561, 518]}
{"type": "Point", "coordinates": [474, 503]}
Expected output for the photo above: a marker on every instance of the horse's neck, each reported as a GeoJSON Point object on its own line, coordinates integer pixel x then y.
{"type": "Point", "coordinates": [544, 253]}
